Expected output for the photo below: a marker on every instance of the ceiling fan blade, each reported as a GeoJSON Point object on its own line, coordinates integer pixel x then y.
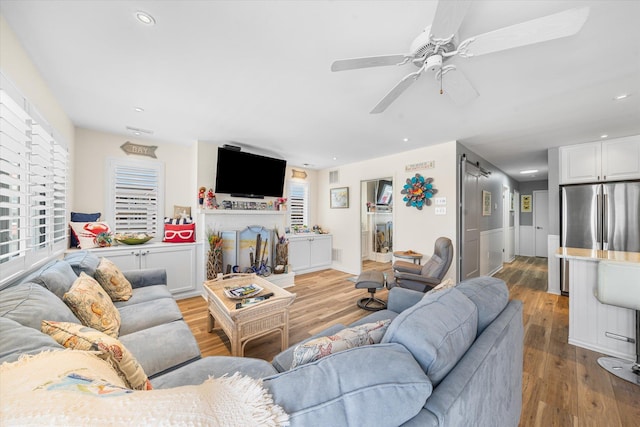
{"type": "Point", "coordinates": [449, 16]}
{"type": "Point", "coordinates": [367, 62]}
{"type": "Point", "coordinates": [538, 30]}
{"type": "Point", "coordinates": [395, 92]}
{"type": "Point", "coordinates": [456, 85]}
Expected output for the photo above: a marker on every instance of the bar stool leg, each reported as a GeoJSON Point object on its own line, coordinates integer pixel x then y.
{"type": "Point", "coordinates": [625, 369]}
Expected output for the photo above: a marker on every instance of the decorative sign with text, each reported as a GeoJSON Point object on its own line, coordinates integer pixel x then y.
{"type": "Point", "coordinates": [139, 149]}
{"type": "Point", "coordinates": [430, 164]}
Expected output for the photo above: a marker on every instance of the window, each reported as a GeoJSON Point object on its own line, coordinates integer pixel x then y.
{"type": "Point", "coordinates": [33, 188]}
{"type": "Point", "coordinates": [135, 196]}
{"type": "Point", "coordinates": [298, 203]}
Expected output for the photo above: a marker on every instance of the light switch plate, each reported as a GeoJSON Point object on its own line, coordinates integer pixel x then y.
{"type": "Point", "coordinates": [441, 201]}
{"type": "Point", "coordinates": [441, 211]}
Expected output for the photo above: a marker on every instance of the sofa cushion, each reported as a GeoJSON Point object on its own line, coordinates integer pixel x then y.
{"type": "Point", "coordinates": [282, 361]}
{"type": "Point", "coordinates": [196, 372]}
{"type": "Point", "coordinates": [162, 348]}
{"type": "Point", "coordinates": [113, 281]}
{"type": "Point", "coordinates": [375, 317]}
{"type": "Point", "coordinates": [148, 314]}
{"type": "Point", "coordinates": [365, 334]}
{"type": "Point", "coordinates": [489, 294]}
{"type": "Point", "coordinates": [438, 331]}
{"type": "Point", "coordinates": [83, 261]}
{"type": "Point", "coordinates": [57, 276]}
{"type": "Point", "coordinates": [28, 303]}
{"type": "Point", "coordinates": [18, 339]}
{"type": "Point", "coordinates": [377, 385]}
{"type": "Point", "coordinates": [90, 303]}
{"type": "Point", "coordinates": [139, 295]}
{"type": "Point", "coordinates": [80, 337]}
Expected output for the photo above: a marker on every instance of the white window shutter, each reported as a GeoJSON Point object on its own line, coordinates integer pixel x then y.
{"type": "Point", "coordinates": [298, 203]}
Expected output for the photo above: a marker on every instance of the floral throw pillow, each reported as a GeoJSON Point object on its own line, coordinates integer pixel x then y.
{"type": "Point", "coordinates": [368, 333]}
{"type": "Point", "coordinates": [113, 281]}
{"type": "Point", "coordinates": [80, 337]}
{"type": "Point", "coordinates": [91, 304]}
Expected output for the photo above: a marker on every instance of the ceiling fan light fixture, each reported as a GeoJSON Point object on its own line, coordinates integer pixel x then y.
{"type": "Point", "coordinates": [145, 18]}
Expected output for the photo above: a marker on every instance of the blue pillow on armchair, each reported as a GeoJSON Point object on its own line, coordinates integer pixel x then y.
{"type": "Point", "coordinates": [81, 217]}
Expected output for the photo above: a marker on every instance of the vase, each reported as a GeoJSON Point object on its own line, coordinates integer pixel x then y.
{"type": "Point", "coordinates": [282, 253]}
{"type": "Point", "coordinates": [214, 263]}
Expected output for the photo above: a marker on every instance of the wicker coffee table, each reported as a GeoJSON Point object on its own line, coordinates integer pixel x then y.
{"type": "Point", "coordinates": [244, 324]}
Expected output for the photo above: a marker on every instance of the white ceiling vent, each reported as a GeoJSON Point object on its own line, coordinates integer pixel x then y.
{"type": "Point", "coordinates": [334, 177]}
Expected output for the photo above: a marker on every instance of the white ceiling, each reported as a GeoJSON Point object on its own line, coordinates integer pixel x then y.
{"type": "Point", "coordinates": [258, 73]}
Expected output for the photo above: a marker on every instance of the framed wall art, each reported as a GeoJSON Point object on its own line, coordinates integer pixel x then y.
{"type": "Point", "coordinates": [339, 198]}
{"type": "Point", "coordinates": [525, 203]}
{"type": "Point", "coordinates": [486, 203]}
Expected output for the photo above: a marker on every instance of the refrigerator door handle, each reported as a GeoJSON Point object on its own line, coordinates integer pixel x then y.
{"type": "Point", "coordinates": [598, 219]}
{"type": "Point", "coordinates": [605, 225]}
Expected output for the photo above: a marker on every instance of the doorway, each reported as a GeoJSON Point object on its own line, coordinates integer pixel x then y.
{"type": "Point", "coordinates": [376, 219]}
{"type": "Point", "coordinates": [470, 221]}
{"type": "Point", "coordinates": [541, 222]}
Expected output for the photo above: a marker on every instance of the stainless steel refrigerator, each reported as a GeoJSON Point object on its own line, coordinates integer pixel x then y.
{"type": "Point", "coordinates": [599, 216]}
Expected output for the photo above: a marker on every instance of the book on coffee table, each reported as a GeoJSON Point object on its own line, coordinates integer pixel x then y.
{"type": "Point", "coordinates": [241, 292]}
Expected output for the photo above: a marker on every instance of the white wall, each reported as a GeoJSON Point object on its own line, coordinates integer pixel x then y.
{"type": "Point", "coordinates": [413, 229]}
{"type": "Point", "coordinates": [16, 65]}
{"type": "Point", "coordinates": [94, 147]}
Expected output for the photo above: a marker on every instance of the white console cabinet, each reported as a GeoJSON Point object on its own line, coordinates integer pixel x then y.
{"type": "Point", "coordinates": [613, 160]}
{"type": "Point", "coordinates": [178, 259]}
{"type": "Point", "coordinates": [309, 252]}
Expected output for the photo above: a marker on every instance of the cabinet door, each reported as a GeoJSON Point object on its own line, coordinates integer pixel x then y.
{"type": "Point", "coordinates": [299, 254]}
{"type": "Point", "coordinates": [320, 251]}
{"type": "Point", "coordinates": [125, 259]}
{"type": "Point", "coordinates": [179, 263]}
{"type": "Point", "coordinates": [580, 163]}
{"type": "Point", "coordinates": [621, 158]}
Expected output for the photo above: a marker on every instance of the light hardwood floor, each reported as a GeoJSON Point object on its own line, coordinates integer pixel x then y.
{"type": "Point", "coordinates": [562, 384]}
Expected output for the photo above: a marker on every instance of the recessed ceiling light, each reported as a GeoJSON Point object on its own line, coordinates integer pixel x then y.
{"type": "Point", "coordinates": [621, 96]}
{"type": "Point", "coordinates": [335, 158]}
{"type": "Point", "coordinates": [136, 133]}
{"type": "Point", "coordinates": [145, 18]}
{"type": "Point", "coordinates": [405, 139]}
{"type": "Point", "coordinates": [529, 171]}
{"type": "Point", "coordinates": [604, 135]}
{"type": "Point", "coordinates": [139, 109]}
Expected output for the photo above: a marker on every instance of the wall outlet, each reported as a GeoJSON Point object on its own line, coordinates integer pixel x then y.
{"type": "Point", "coordinates": [441, 201]}
{"type": "Point", "coordinates": [441, 211]}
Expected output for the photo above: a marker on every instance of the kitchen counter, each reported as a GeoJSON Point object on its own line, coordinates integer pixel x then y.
{"type": "Point", "coordinates": [594, 325]}
{"type": "Point", "coordinates": [598, 255]}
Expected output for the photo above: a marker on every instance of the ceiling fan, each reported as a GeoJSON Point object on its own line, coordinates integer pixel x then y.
{"type": "Point", "coordinates": [437, 44]}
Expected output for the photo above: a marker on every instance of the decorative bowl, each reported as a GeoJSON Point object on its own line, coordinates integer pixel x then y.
{"type": "Point", "coordinates": [132, 240]}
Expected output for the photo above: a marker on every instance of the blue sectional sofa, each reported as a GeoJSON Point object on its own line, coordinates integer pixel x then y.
{"type": "Point", "coordinates": [448, 358]}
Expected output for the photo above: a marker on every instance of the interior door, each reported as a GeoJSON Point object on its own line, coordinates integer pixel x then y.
{"type": "Point", "coordinates": [541, 222]}
{"type": "Point", "coordinates": [470, 252]}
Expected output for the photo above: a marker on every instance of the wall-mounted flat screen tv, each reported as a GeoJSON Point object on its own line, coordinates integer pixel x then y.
{"type": "Point", "coordinates": [385, 193]}
{"type": "Point", "coordinates": [242, 174]}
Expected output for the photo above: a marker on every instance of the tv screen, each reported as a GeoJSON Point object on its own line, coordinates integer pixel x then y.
{"type": "Point", "coordinates": [385, 193]}
{"type": "Point", "coordinates": [243, 174]}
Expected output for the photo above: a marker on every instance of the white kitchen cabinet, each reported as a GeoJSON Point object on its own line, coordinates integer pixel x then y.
{"type": "Point", "coordinates": [614, 160]}
{"type": "Point", "coordinates": [178, 259]}
{"type": "Point", "coordinates": [310, 252]}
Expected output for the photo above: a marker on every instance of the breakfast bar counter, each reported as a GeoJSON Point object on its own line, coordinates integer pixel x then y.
{"type": "Point", "coordinates": [599, 327]}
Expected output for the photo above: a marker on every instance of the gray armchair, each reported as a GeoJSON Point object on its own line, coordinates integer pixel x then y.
{"type": "Point", "coordinates": [424, 277]}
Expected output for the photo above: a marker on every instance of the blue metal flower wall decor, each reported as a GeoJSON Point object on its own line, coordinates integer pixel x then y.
{"type": "Point", "coordinates": [418, 191]}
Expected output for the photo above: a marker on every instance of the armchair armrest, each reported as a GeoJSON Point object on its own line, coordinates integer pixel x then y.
{"type": "Point", "coordinates": [400, 299]}
{"type": "Point", "coordinates": [147, 277]}
{"type": "Point", "coordinates": [407, 267]}
{"type": "Point", "coordinates": [416, 279]}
